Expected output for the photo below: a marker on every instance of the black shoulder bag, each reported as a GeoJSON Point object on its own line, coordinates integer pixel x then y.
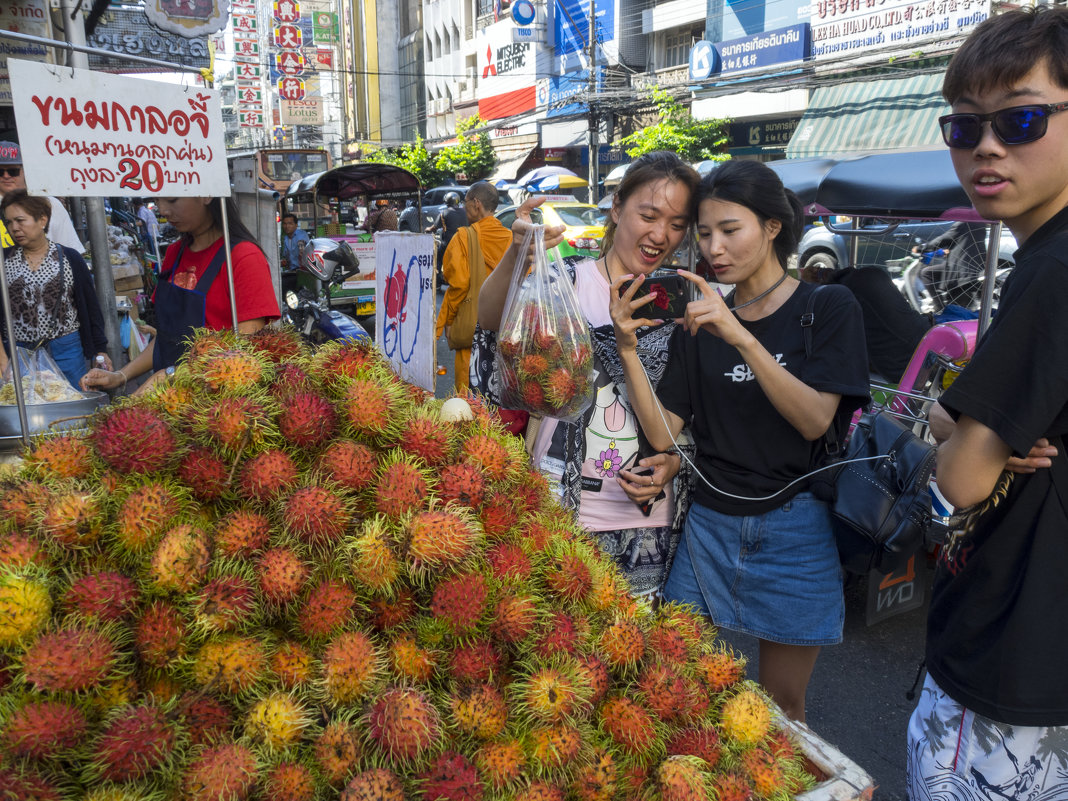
{"type": "Point", "coordinates": [881, 505]}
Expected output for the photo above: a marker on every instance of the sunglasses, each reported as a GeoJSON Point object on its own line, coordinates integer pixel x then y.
{"type": "Point", "coordinates": [1017, 125]}
{"type": "Point", "coordinates": [14, 172]}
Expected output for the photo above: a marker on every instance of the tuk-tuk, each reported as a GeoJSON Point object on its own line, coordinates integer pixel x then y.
{"type": "Point", "coordinates": [322, 194]}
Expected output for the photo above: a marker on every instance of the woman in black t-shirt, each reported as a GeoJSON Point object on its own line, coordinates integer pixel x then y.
{"type": "Point", "coordinates": [758, 554]}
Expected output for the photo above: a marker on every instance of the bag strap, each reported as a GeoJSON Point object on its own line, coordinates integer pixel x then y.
{"type": "Point", "coordinates": [808, 320]}
{"type": "Point", "coordinates": [476, 261]}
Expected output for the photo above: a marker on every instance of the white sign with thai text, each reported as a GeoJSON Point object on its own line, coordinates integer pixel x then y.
{"type": "Point", "coordinates": [87, 133]}
{"type": "Point", "coordinates": [404, 311]}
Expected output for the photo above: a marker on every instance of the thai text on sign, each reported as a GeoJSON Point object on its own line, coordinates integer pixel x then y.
{"type": "Point", "coordinates": [87, 133]}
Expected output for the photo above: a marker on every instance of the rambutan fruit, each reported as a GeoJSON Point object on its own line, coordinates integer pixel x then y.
{"type": "Point", "coordinates": [540, 791]}
{"type": "Point", "coordinates": [409, 661]}
{"type": "Point", "coordinates": [551, 694]}
{"type": "Point", "coordinates": [629, 724]}
{"type": "Point", "coordinates": [498, 515]}
{"type": "Point", "coordinates": [497, 457]}
{"type": "Point", "coordinates": [350, 665]}
{"type": "Point", "coordinates": [623, 644]}
{"type": "Point", "coordinates": [386, 613]}
{"type": "Point", "coordinates": [372, 407]}
{"type": "Point", "coordinates": [376, 784]}
{"type": "Point", "coordinates": [719, 670]}
{"type": "Point", "coordinates": [681, 778]}
{"type": "Point", "coordinates": [233, 372]}
{"type": "Point", "coordinates": [403, 724]}
{"type": "Point", "coordinates": [460, 601]}
{"type": "Point", "coordinates": [337, 752]}
{"type": "Point", "coordinates": [745, 718]}
{"type": "Point", "coordinates": [289, 378]}
{"type": "Point", "coordinates": [349, 464]}
{"type": "Point", "coordinates": [160, 635]}
{"type": "Point", "coordinates": [225, 603]}
{"type": "Point", "coordinates": [560, 388]}
{"type": "Point", "coordinates": [134, 439]}
{"type": "Point", "coordinates": [290, 781]}
{"type": "Point", "coordinates": [440, 538]}
{"type": "Point", "coordinates": [242, 533]}
{"type": "Point", "coordinates": [282, 575]}
{"type": "Point", "coordinates": [553, 746]}
{"type": "Point", "coordinates": [60, 457]}
{"type": "Point", "coordinates": [236, 424]}
{"type": "Point", "coordinates": [204, 473]}
{"type": "Point", "coordinates": [277, 721]}
{"type": "Point", "coordinates": [479, 711]}
{"type": "Point", "coordinates": [427, 437]}
{"type": "Point", "coordinates": [180, 561]}
{"type": "Point", "coordinates": [668, 643]}
{"type": "Point", "coordinates": [18, 550]}
{"type": "Point", "coordinates": [400, 488]}
{"type": "Point", "coordinates": [531, 491]}
{"type": "Point", "coordinates": [500, 763]}
{"type": "Point", "coordinates": [316, 515]}
{"type": "Point", "coordinates": [533, 395]}
{"type": "Point", "coordinates": [206, 719]}
{"type": "Point", "coordinates": [135, 742]}
{"type": "Point", "coordinates": [665, 690]}
{"type": "Point", "coordinates": [291, 664]}
{"type": "Point", "coordinates": [596, 780]}
{"type": "Point", "coordinates": [21, 502]}
{"type": "Point", "coordinates": [307, 420]}
{"type": "Point", "coordinates": [277, 344]}
{"type": "Point", "coordinates": [175, 401]}
{"type": "Point", "coordinates": [343, 358]}
{"type": "Point", "coordinates": [328, 608]}
{"type": "Point", "coordinates": [698, 741]}
{"type": "Point", "coordinates": [73, 518]}
{"type": "Point", "coordinates": [106, 596]}
{"type": "Point", "coordinates": [534, 365]}
{"type": "Point", "coordinates": [69, 660]}
{"type": "Point", "coordinates": [230, 664]}
{"type": "Point", "coordinates": [475, 660]}
{"type": "Point", "coordinates": [559, 636]}
{"type": "Point", "coordinates": [782, 746]}
{"type": "Point", "coordinates": [515, 618]}
{"type": "Point", "coordinates": [764, 772]}
{"type": "Point", "coordinates": [144, 515]}
{"type": "Point", "coordinates": [225, 772]}
{"type": "Point", "coordinates": [25, 785]}
{"type": "Point", "coordinates": [569, 578]}
{"type": "Point", "coordinates": [451, 777]}
{"type": "Point", "coordinates": [374, 564]}
{"type": "Point", "coordinates": [731, 786]}
{"type": "Point", "coordinates": [508, 561]}
{"type": "Point", "coordinates": [267, 475]}
{"type": "Point", "coordinates": [41, 729]}
{"type": "Point", "coordinates": [593, 672]}
{"type": "Point", "coordinates": [462, 484]}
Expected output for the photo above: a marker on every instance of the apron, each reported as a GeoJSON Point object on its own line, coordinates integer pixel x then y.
{"type": "Point", "coordinates": [179, 311]}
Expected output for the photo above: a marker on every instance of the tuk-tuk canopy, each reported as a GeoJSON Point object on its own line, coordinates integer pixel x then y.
{"type": "Point", "coordinates": [354, 180]}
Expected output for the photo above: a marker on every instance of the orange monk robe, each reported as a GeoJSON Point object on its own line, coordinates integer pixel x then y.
{"type": "Point", "coordinates": [494, 240]}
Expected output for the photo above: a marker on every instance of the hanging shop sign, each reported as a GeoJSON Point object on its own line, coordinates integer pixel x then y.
{"type": "Point", "coordinates": [288, 37]}
{"type": "Point", "coordinates": [127, 32]}
{"type": "Point", "coordinates": [24, 16]}
{"type": "Point", "coordinates": [189, 18]}
{"type": "Point", "coordinates": [287, 10]}
{"type": "Point", "coordinates": [764, 49]}
{"type": "Point", "coordinates": [86, 133]}
{"type": "Point", "coordinates": [289, 62]}
{"type": "Point", "coordinates": [308, 111]}
{"type": "Point", "coordinates": [325, 27]}
{"type": "Point", "coordinates": [291, 89]}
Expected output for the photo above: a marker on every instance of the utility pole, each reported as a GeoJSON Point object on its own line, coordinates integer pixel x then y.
{"type": "Point", "coordinates": [591, 43]}
{"type": "Point", "coordinates": [74, 31]}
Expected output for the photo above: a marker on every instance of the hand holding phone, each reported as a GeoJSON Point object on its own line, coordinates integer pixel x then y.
{"type": "Point", "coordinates": [669, 296]}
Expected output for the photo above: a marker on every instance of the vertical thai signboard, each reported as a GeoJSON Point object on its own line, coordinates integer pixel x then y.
{"type": "Point", "coordinates": [25, 16]}
{"type": "Point", "coordinates": [86, 133]}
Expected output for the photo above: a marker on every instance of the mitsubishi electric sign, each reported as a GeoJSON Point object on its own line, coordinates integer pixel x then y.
{"type": "Point", "coordinates": [508, 72]}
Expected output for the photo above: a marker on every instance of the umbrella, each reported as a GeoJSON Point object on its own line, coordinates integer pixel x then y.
{"type": "Point", "coordinates": [616, 175]}
{"type": "Point", "coordinates": [606, 202]}
{"type": "Point", "coordinates": [550, 183]}
{"type": "Point", "coordinates": [535, 175]}
{"type": "Point", "coordinates": [705, 167]}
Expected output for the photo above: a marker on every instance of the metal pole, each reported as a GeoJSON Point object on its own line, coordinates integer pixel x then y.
{"type": "Point", "coordinates": [16, 372]}
{"type": "Point", "coordinates": [592, 48]}
{"type": "Point", "coordinates": [229, 262]}
{"type": "Point", "coordinates": [993, 247]}
{"type": "Point", "coordinates": [79, 46]}
{"type": "Point", "coordinates": [74, 30]}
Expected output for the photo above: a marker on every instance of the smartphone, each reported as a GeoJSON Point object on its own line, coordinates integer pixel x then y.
{"type": "Point", "coordinates": [671, 294]}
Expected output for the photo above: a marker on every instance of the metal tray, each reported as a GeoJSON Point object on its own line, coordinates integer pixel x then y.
{"type": "Point", "coordinates": [47, 417]}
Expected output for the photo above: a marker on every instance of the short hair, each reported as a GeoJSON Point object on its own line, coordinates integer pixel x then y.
{"type": "Point", "coordinates": [34, 205]}
{"type": "Point", "coordinates": [653, 166]}
{"type": "Point", "coordinates": [486, 194]}
{"type": "Point", "coordinates": [289, 216]}
{"type": "Point", "coordinates": [1004, 48]}
{"type": "Point", "coordinates": [759, 188]}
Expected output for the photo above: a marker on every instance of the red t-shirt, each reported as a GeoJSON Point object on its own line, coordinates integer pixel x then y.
{"type": "Point", "coordinates": [252, 281]}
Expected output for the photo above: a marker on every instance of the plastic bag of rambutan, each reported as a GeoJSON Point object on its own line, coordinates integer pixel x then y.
{"type": "Point", "coordinates": [544, 361]}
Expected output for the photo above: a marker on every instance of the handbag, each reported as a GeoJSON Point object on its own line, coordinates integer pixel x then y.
{"type": "Point", "coordinates": [462, 330]}
{"type": "Point", "coordinates": [881, 506]}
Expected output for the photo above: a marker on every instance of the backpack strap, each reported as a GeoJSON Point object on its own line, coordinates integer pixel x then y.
{"type": "Point", "coordinates": [808, 320]}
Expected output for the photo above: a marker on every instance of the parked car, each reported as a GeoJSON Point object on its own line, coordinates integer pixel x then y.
{"type": "Point", "coordinates": [584, 224]}
{"type": "Point", "coordinates": [433, 203]}
{"type": "Point", "coordinates": [881, 242]}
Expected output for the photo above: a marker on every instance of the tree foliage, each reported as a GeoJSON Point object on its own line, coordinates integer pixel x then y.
{"type": "Point", "coordinates": [679, 132]}
{"type": "Point", "coordinates": [471, 157]}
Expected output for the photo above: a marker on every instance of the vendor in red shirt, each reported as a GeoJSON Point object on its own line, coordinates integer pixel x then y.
{"type": "Point", "coordinates": [192, 291]}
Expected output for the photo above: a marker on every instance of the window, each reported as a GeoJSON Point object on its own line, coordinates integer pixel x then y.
{"type": "Point", "coordinates": [677, 46]}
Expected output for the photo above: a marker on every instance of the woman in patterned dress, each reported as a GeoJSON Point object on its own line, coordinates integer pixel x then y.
{"type": "Point", "coordinates": [53, 301]}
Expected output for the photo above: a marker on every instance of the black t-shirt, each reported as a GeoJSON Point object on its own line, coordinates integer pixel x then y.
{"type": "Point", "coordinates": [452, 220]}
{"type": "Point", "coordinates": [744, 446]}
{"type": "Point", "coordinates": [997, 632]}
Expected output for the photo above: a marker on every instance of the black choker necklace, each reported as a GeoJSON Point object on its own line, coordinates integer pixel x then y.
{"type": "Point", "coordinates": [763, 294]}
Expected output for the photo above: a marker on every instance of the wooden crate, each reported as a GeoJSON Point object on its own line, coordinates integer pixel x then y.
{"type": "Point", "coordinates": [842, 778]}
{"type": "Point", "coordinates": [130, 286]}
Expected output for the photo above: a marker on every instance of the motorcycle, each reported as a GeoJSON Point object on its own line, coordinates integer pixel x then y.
{"type": "Point", "coordinates": [331, 263]}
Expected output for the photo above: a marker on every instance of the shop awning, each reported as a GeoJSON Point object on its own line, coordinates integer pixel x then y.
{"type": "Point", "coordinates": [509, 163]}
{"type": "Point", "coordinates": [873, 116]}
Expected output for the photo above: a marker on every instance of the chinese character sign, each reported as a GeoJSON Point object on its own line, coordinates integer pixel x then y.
{"type": "Point", "coordinates": [86, 133]}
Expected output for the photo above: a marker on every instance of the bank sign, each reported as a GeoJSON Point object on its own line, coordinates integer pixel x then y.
{"type": "Point", "coordinates": [559, 89]}
{"type": "Point", "coordinates": [844, 27]}
{"type": "Point", "coordinates": [764, 49]}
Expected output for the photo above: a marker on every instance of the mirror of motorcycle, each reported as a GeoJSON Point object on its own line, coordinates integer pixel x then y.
{"type": "Point", "coordinates": [291, 299]}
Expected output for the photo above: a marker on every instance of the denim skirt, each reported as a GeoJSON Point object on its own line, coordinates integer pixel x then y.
{"type": "Point", "coordinates": [775, 575]}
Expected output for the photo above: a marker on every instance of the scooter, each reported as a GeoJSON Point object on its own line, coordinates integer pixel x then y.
{"type": "Point", "coordinates": [308, 310]}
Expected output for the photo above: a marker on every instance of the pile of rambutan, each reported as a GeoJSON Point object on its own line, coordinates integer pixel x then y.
{"type": "Point", "coordinates": [284, 576]}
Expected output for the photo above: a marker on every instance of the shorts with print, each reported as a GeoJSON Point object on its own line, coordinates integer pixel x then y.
{"type": "Point", "coordinates": [953, 753]}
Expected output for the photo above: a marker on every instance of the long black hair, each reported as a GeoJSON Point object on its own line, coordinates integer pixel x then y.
{"type": "Point", "coordinates": [239, 232]}
{"type": "Point", "coordinates": [758, 188]}
{"type": "Point", "coordinates": [653, 166]}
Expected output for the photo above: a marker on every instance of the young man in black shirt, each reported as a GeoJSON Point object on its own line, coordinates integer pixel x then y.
{"type": "Point", "coordinates": [993, 717]}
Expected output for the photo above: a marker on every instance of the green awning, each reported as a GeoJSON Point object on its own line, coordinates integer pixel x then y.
{"type": "Point", "coordinates": [895, 114]}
